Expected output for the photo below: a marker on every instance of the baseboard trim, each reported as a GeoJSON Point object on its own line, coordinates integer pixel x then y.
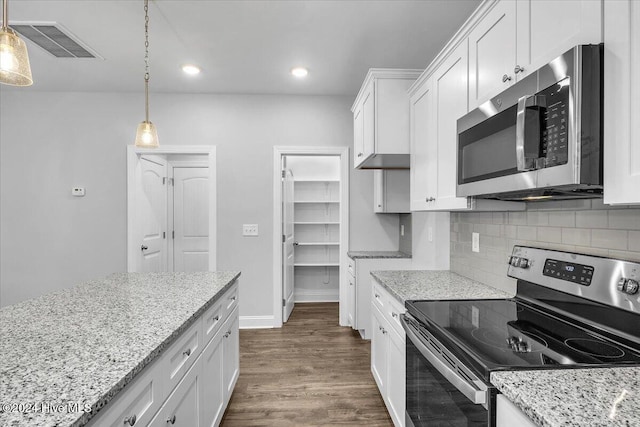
{"type": "Point", "coordinates": [256, 322]}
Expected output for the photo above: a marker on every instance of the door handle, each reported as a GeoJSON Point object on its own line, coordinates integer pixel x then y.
{"type": "Point", "coordinates": [144, 248]}
{"type": "Point", "coordinates": [524, 162]}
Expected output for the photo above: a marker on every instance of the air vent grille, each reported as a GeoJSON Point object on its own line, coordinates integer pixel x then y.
{"type": "Point", "coordinates": [54, 40]}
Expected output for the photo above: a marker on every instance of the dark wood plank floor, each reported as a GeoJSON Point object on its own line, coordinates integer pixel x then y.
{"type": "Point", "coordinates": [311, 372]}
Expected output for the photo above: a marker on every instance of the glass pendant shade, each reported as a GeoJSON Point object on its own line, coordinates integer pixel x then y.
{"type": "Point", "coordinates": [146, 136]}
{"type": "Point", "coordinates": [14, 60]}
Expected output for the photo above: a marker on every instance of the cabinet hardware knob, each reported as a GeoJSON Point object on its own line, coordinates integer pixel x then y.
{"type": "Point", "coordinates": [233, 298]}
{"type": "Point", "coordinates": [377, 295]}
{"type": "Point", "coordinates": [144, 248]}
{"type": "Point", "coordinates": [394, 314]}
{"type": "Point", "coordinates": [216, 318]}
{"type": "Point", "coordinates": [130, 420]}
{"type": "Point", "coordinates": [359, 154]}
{"type": "Point", "coordinates": [506, 78]}
{"type": "Point", "coordinates": [518, 69]}
{"type": "Point", "coordinates": [172, 420]}
{"type": "Point", "coordinates": [187, 352]}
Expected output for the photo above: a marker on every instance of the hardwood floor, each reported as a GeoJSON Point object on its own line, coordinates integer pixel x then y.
{"type": "Point", "coordinates": [311, 372]}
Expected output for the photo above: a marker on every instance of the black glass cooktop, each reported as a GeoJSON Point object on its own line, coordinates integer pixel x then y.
{"type": "Point", "coordinates": [512, 334]}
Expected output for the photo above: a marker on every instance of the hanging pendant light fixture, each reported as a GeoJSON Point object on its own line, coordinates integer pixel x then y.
{"type": "Point", "coordinates": [14, 60]}
{"type": "Point", "coordinates": [146, 136]}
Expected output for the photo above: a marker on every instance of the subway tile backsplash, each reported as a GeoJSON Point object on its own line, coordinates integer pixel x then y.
{"type": "Point", "coordinates": [583, 226]}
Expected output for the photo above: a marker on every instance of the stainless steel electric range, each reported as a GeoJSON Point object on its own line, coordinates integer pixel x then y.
{"type": "Point", "coordinates": [570, 311]}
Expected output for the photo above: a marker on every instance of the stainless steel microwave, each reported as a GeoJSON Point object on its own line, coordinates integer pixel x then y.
{"type": "Point", "coordinates": [541, 138]}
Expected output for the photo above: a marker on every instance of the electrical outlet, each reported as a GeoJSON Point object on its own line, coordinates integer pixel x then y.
{"type": "Point", "coordinates": [430, 234]}
{"type": "Point", "coordinates": [402, 229]}
{"type": "Point", "coordinates": [77, 191]}
{"type": "Point", "coordinates": [475, 242]}
{"type": "Point", "coordinates": [250, 229]}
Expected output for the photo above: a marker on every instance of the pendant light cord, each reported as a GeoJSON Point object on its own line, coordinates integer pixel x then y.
{"type": "Point", "coordinates": [146, 59]}
{"type": "Point", "coordinates": [5, 15]}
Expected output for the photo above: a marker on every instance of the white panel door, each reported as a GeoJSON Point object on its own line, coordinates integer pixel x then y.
{"type": "Point", "coordinates": [287, 245]}
{"type": "Point", "coordinates": [152, 215]}
{"type": "Point", "coordinates": [191, 219]}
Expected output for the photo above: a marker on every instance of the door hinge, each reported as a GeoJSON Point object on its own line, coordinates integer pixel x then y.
{"type": "Point", "coordinates": [164, 180]}
{"type": "Point", "coordinates": [171, 182]}
{"type": "Point", "coordinates": [173, 234]}
{"type": "Point", "coordinates": [164, 234]}
{"type": "Point", "coordinates": [284, 173]}
{"type": "Point", "coordinates": [284, 302]}
{"type": "Point", "coordinates": [284, 238]}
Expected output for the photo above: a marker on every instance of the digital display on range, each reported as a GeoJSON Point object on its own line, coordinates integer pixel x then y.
{"type": "Point", "coordinates": [569, 271]}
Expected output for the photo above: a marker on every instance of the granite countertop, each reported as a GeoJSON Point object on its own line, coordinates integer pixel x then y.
{"type": "Point", "coordinates": [82, 345]}
{"type": "Point", "coordinates": [574, 397]}
{"type": "Point", "coordinates": [376, 254]}
{"type": "Point", "coordinates": [407, 285]}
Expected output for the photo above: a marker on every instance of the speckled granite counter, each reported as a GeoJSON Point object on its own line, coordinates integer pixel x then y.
{"type": "Point", "coordinates": [574, 397]}
{"type": "Point", "coordinates": [84, 344]}
{"type": "Point", "coordinates": [376, 254]}
{"type": "Point", "coordinates": [433, 284]}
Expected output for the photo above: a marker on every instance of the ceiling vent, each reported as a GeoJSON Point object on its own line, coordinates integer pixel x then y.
{"type": "Point", "coordinates": [55, 39]}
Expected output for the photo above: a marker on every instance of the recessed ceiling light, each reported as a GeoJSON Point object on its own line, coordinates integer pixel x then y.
{"type": "Point", "coordinates": [299, 72]}
{"type": "Point", "coordinates": [190, 69]}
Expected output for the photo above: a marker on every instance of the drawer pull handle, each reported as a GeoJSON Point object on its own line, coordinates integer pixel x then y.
{"type": "Point", "coordinates": [216, 318]}
{"type": "Point", "coordinates": [130, 420]}
{"type": "Point", "coordinates": [377, 295]}
{"type": "Point", "coordinates": [187, 352]}
{"type": "Point", "coordinates": [506, 78]}
{"type": "Point", "coordinates": [394, 314]}
{"type": "Point", "coordinates": [233, 298]}
{"type": "Point", "coordinates": [172, 420]}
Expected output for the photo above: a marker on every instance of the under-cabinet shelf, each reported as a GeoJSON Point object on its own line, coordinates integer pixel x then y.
{"type": "Point", "coordinates": [317, 223]}
{"type": "Point", "coordinates": [316, 201]}
{"type": "Point", "coordinates": [316, 264]}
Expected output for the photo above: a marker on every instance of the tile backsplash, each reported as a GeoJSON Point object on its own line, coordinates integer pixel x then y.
{"type": "Point", "coordinates": [583, 226]}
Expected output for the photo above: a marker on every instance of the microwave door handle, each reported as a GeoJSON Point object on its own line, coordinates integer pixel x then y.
{"type": "Point", "coordinates": [478, 397]}
{"type": "Point", "coordinates": [523, 162]}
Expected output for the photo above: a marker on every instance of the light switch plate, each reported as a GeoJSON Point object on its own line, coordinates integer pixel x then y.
{"type": "Point", "coordinates": [430, 234]}
{"type": "Point", "coordinates": [249, 229]}
{"type": "Point", "coordinates": [475, 242]}
{"type": "Point", "coordinates": [77, 191]}
{"type": "Point", "coordinates": [402, 229]}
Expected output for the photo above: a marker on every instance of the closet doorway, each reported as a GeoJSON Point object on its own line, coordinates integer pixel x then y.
{"type": "Point", "coordinates": [171, 209]}
{"type": "Point", "coordinates": [311, 213]}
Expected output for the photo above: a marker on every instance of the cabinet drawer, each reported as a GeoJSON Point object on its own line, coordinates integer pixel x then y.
{"type": "Point", "coordinates": [212, 320]}
{"type": "Point", "coordinates": [136, 403]}
{"type": "Point", "coordinates": [352, 267]}
{"type": "Point", "coordinates": [230, 300]}
{"type": "Point", "coordinates": [181, 408]}
{"type": "Point", "coordinates": [377, 296]}
{"type": "Point", "coordinates": [394, 310]}
{"type": "Point", "coordinates": [181, 355]}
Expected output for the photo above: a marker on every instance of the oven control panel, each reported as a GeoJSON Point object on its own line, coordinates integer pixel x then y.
{"type": "Point", "coordinates": [570, 271]}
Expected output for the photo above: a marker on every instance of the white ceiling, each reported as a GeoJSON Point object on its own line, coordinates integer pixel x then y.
{"type": "Point", "coordinates": [242, 46]}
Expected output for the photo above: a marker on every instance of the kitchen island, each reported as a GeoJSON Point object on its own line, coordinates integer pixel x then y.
{"type": "Point", "coordinates": [65, 355]}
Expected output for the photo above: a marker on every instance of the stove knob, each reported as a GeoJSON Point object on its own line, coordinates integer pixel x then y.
{"type": "Point", "coordinates": [514, 261]}
{"type": "Point", "coordinates": [632, 287]}
{"type": "Point", "coordinates": [524, 263]}
{"type": "Point", "coordinates": [523, 347]}
{"type": "Point", "coordinates": [621, 284]}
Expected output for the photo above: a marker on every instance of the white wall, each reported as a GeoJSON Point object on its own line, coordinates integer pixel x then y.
{"type": "Point", "coordinates": [50, 142]}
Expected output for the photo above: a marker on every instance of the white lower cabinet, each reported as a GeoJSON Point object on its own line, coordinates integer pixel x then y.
{"type": "Point", "coordinates": [188, 385]}
{"type": "Point", "coordinates": [508, 414]}
{"type": "Point", "coordinates": [388, 364]}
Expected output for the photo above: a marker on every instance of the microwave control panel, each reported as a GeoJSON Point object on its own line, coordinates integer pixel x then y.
{"type": "Point", "coordinates": [554, 124]}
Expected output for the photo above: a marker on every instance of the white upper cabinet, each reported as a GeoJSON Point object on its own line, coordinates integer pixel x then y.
{"type": "Point", "coordinates": [381, 120]}
{"type": "Point", "coordinates": [516, 37]}
{"type": "Point", "coordinates": [622, 102]}
{"type": "Point", "coordinates": [492, 53]}
{"type": "Point", "coordinates": [424, 152]}
{"type": "Point", "coordinates": [548, 28]}
{"type": "Point", "coordinates": [391, 191]}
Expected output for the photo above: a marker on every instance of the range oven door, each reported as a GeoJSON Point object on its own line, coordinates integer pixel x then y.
{"type": "Point", "coordinates": [440, 391]}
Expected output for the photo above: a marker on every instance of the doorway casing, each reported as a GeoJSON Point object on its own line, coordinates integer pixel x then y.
{"type": "Point", "coordinates": [133, 175]}
{"type": "Point", "coordinates": [278, 153]}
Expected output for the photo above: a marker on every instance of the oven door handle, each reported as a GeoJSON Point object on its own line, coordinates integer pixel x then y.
{"type": "Point", "coordinates": [478, 397]}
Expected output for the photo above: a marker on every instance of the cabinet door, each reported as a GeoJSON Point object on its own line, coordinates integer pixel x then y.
{"type": "Point", "coordinates": [379, 351]}
{"type": "Point", "coordinates": [424, 149]}
{"type": "Point", "coordinates": [508, 414]}
{"type": "Point", "coordinates": [396, 378]}
{"type": "Point", "coordinates": [369, 122]}
{"type": "Point", "coordinates": [212, 397]}
{"type": "Point", "coordinates": [622, 101]}
{"type": "Point", "coordinates": [378, 191]}
{"type": "Point", "coordinates": [231, 353]}
{"type": "Point", "coordinates": [351, 303]}
{"type": "Point", "coordinates": [548, 28]}
{"type": "Point", "coordinates": [450, 92]}
{"type": "Point", "coordinates": [181, 408]}
{"type": "Point", "coordinates": [358, 136]}
{"type": "Point", "coordinates": [492, 53]}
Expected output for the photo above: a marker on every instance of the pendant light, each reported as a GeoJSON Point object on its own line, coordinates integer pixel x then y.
{"type": "Point", "coordinates": [14, 60]}
{"type": "Point", "coordinates": [146, 136]}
